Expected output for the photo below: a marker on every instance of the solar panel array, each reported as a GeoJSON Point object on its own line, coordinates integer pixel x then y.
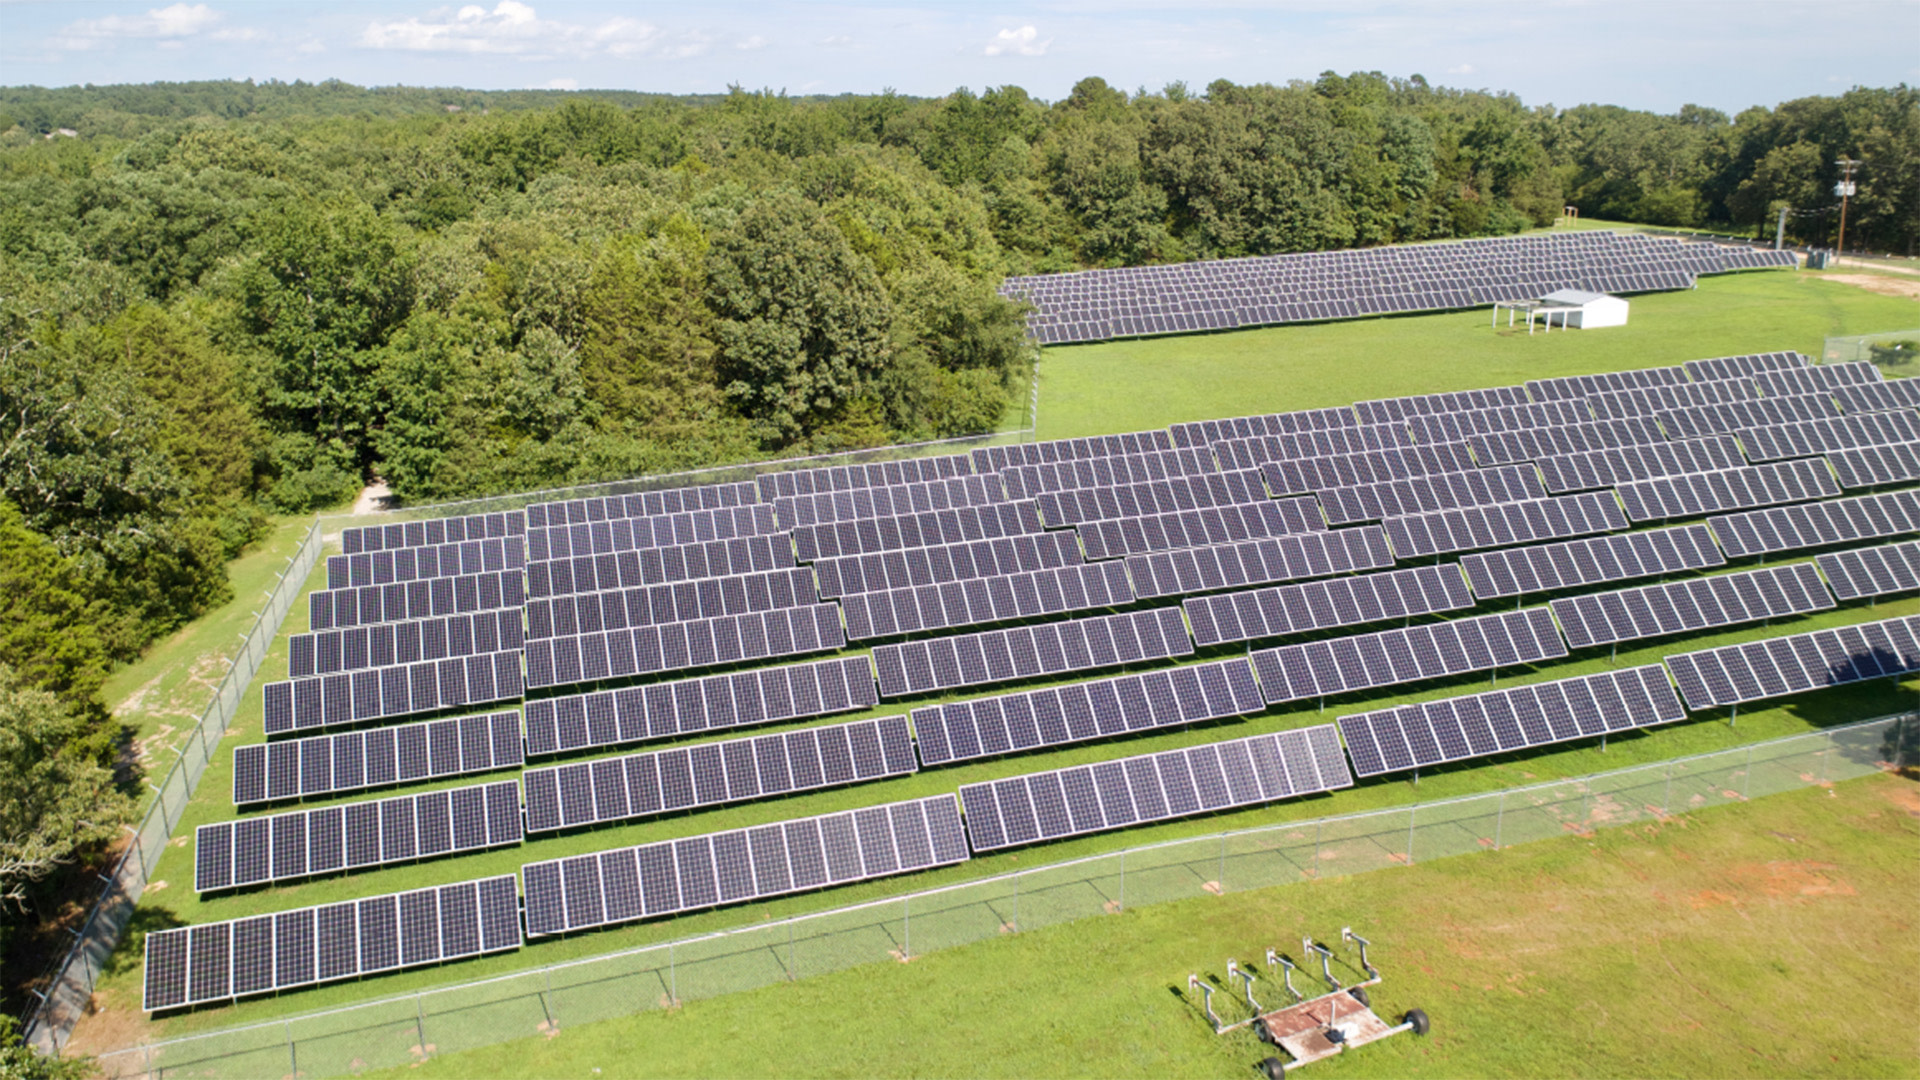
{"type": "Point", "coordinates": [1028, 481]}
{"type": "Point", "coordinates": [716, 773]}
{"type": "Point", "coordinates": [1395, 410]}
{"type": "Point", "coordinates": [777, 485]}
{"type": "Point", "coordinates": [1256, 562]}
{"type": "Point", "coordinates": [387, 644]}
{"type": "Point", "coordinates": [1811, 525]}
{"type": "Point", "coordinates": [1696, 494]}
{"type": "Point", "coordinates": [1879, 397]}
{"type": "Point", "coordinates": [1322, 605]}
{"type": "Point", "coordinates": [802, 510]}
{"type": "Point", "coordinates": [414, 564]}
{"type": "Point", "coordinates": [1014, 723]}
{"type": "Point", "coordinates": [1531, 444]}
{"type": "Point", "coordinates": [991, 459]}
{"type": "Point", "coordinates": [1457, 426]}
{"type": "Point", "coordinates": [660, 565]}
{"type": "Point", "coordinates": [433, 532]}
{"type": "Point", "coordinates": [384, 693]}
{"type": "Point", "coordinates": [910, 567]}
{"type": "Point", "coordinates": [1424, 494]}
{"type": "Point", "coordinates": [1296, 476]}
{"type": "Point", "coordinates": [1392, 657]}
{"type": "Point", "coordinates": [1810, 437]}
{"type": "Point", "coordinates": [1025, 652]}
{"type": "Point", "coordinates": [1698, 420]}
{"type": "Point", "coordinates": [328, 609]}
{"type": "Point", "coordinates": [644, 650]}
{"type": "Point", "coordinates": [219, 961]}
{"type": "Point", "coordinates": [1606, 468]}
{"type": "Point", "coordinates": [615, 535]}
{"type": "Point", "coordinates": [640, 504]}
{"type": "Point", "coordinates": [1737, 674]}
{"type": "Point", "coordinates": [663, 710]}
{"type": "Point", "coordinates": [1501, 524]}
{"type": "Point", "coordinates": [1500, 721]}
{"type": "Point", "coordinates": [985, 600]}
{"type": "Point", "coordinates": [1117, 537]}
{"type": "Point", "coordinates": [1248, 451]}
{"type": "Point", "coordinates": [1075, 505]}
{"type": "Point", "coordinates": [1678, 607]}
{"type": "Point", "coordinates": [1566, 387]}
{"type": "Point", "coordinates": [1877, 571]}
{"type": "Point", "coordinates": [355, 836]}
{"type": "Point", "coordinates": [376, 757]}
{"type": "Point", "coordinates": [1209, 432]}
{"type": "Point", "coordinates": [1153, 787]}
{"type": "Point", "coordinates": [1568, 565]}
{"type": "Point", "coordinates": [1814, 379]}
{"type": "Point", "coordinates": [616, 886]}
{"type": "Point", "coordinates": [1737, 367]}
{"type": "Point", "coordinates": [929, 529]}
{"type": "Point", "coordinates": [685, 601]}
{"type": "Point", "coordinates": [1871, 466]}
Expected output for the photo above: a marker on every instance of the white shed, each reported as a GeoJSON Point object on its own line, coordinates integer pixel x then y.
{"type": "Point", "coordinates": [1568, 307]}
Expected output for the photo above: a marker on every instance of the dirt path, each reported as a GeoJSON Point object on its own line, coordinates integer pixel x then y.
{"type": "Point", "coordinates": [373, 498]}
{"type": "Point", "coordinates": [1868, 264]}
{"type": "Point", "coordinates": [1885, 286]}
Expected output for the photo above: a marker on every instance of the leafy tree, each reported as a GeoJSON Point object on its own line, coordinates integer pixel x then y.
{"type": "Point", "coordinates": [18, 1061]}
{"type": "Point", "coordinates": [55, 800]}
{"type": "Point", "coordinates": [49, 627]}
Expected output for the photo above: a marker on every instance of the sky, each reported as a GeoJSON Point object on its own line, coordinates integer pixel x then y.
{"type": "Point", "coordinates": [1643, 54]}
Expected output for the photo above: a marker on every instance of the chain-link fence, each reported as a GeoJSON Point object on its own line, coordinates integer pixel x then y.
{"type": "Point", "coordinates": [402, 1030]}
{"type": "Point", "coordinates": [64, 997]}
{"type": "Point", "coordinates": [1896, 352]}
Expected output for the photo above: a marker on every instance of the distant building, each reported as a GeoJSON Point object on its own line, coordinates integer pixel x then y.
{"type": "Point", "coordinates": [1567, 307]}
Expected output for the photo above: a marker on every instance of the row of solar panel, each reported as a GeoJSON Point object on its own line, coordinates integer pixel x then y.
{"type": "Point", "coordinates": [682, 601]}
{"type": "Point", "coordinates": [742, 864]}
{"type": "Point", "coordinates": [1056, 716]}
{"type": "Point", "coordinates": [1696, 494]}
{"type": "Point", "coordinates": [1677, 607]}
{"type": "Point", "coordinates": [375, 757]}
{"type": "Point", "coordinates": [910, 567]}
{"type": "Point", "coordinates": [1024, 652]}
{"type": "Point", "coordinates": [1870, 466]}
{"type": "Point", "coordinates": [414, 564]}
{"type": "Point", "coordinates": [1459, 426]}
{"type": "Point", "coordinates": [1809, 437]}
{"type": "Point", "coordinates": [1424, 494]}
{"type": "Point", "coordinates": [1500, 524]}
{"type": "Point", "coordinates": [1298, 476]}
{"type": "Point", "coordinates": [261, 954]}
{"type": "Point", "coordinates": [1153, 787]}
{"type": "Point", "coordinates": [930, 529]}
{"type": "Point", "coordinates": [1208, 432]}
{"type": "Point", "coordinates": [715, 773]}
{"type": "Point", "coordinates": [1257, 562]}
{"type": "Point", "coordinates": [716, 702]}
{"type": "Point", "coordinates": [387, 644]}
{"type": "Point", "coordinates": [777, 485]}
{"type": "Point", "coordinates": [1074, 506]}
{"type": "Point", "coordinates": [637, 534]}
{"type": "Point", "coordinates": [1027, 481]}
{"type": "Point", "coordinates": [1252, 451]}
{"type": "Point", "coordinates": [1118, 537]}
{"type": "Point", "coordinates": [1321, 605]}
{"type": "Point", "coordinates": [329, 609]}
{"type": "Point", "coordinates": [1879, 397]}
{"type": "Point", "coordinates": [1699, 420]}
{"type": "Point", "coordinates": [1568, 565]}
{"type": "Point", "coordinates": [355, 836]}
{"type": "Point", "coordinates": [985, 600]}
{"type": "Point", "coordinates": [990, 459]}
{"type": "Point", "coordinates": [1605, 468]}
{"type": "Point", "coordinates": [1502, 721]}
{"type": "Point", "coordinates": [1879, 571]}
{"type": "Point", "coordinates": [644, 650]}
{"type": "Point", "coordinates": [1413, 654]}
{"type": "Point", "coordinates": [1532, 444]}
{"type": "Point", "coordinates": [1736, 674]}
{"type": "Point", "coordinates": [433, 531]}
{"type": "Point", "coordinates": [385, 693]}
{"type": "Point", "coordinates": [640, 504]}
{"type": "Point", "coordinates": [1817, 524]}
{"type": "Point", "coordinates": [796, 511]}
{"type": "Point", "coordinates": [660, 566]}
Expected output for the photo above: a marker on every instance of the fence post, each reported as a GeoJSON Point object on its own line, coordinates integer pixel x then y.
{"type": "Point", "coordinates": [1123, 880]}
{"type": "Point", "coordinates": [1319, 830]}
{"type": "Point", "coordinates": [293, 1054]}
{"type": "Point", "coordinates": [1746, 774]}
{"type": "Point", "coordinates": [1826, 758]}
{"type": "Point", "coordinates": [1666, 800]}
{"type": "Point", "coordinates": [1016, 902]}
{"type": "Point", "coordinates": [673, 977]}
{"type": "Point", "coordinates": [1411, 816]}
{"type": "Point", "coordinates": [906, 928]}
{"type": "Point", "coordinates": [1222, 882]}
{"type": "Point", "coordinates": [1499, 820]}
{"type": "Point", "coordinates": [420, 1023]}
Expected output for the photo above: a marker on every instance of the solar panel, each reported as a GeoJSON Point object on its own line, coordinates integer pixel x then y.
{"type": "Point", "coordinates": [616, 534]}
{"type": "Point", "coordinates": [296, 844]}
{"type": "Point", "coordinates": [1390, 410]}
{"type": "Point", "coordinates": [1117, 537]}
{"type": "Point", "coordinates": [1503, 721]}
{"type": "Point", "coordinates": [1738, 367]}
{"type": "Point", "coordinates": [1875, 571]}
{"type": "Point", "coordinates": [1025, 652]}
{"type": "Point", "coordinates": [775, 485]}
{"type": "Point", "coordinates": [413, 534]}
{"type": "Point", "coordinates": [796, 511]}
{"type": "Point", "coordinates": [1028, 481]}
{"type": "Point", "coordinates": [1459, 426]}
{"type": "Point", "coordinates": [910, 567]}
{"type": "Point", "coordinates": [434, 561]}
{"type": "Point", "coordinates": [1810, 525]}
{"type": "Point", "coordinates": [1605, 468]}
{"type": "Point", "coordinates": [718, 868]}
{"type": "Point", "coordinates": [195, 965]}
{"type": "Point", "coordinates": [1807, 438]}
{"type": "Point", "coordinates": [984, 600]}
{"type": "Point", "coordinates": [1571, 387]}
{"type": "Point", "coordinates": [1471, 527]}
{"type": "Point", "coordinates": [1210, 432]}
{"type": "Point", "coordinates": [714, 774]}
{"type": "Point", "coordinates": [1256, 562]}
{"type": "Point", "coordinates": [926, 529]}
{"type": "Point", "coordinates": [1676, 607]}
{"type": "Point", "coordinates": [1730, 417]}
{"type": "Point", "coordinates": [1813, 380]}
{"type": "Point", "coordinates": [1653, 400]}
{"type": "Point", "coordinates": [1547, 567]}
{"type": "Point", "coordinates": [1870, 466]}
{"type": "Point", "coordinates": [1392, 657]}
{"type": "Point", "coordinates": [644, 650]}
{"type": "Point", "coordinates": [1153, 787]}
{"type": "Point", "coordinates": [1697, 494]}
{"type": "Point", "coordinates": [326, 764]}
{"type": "Point", "coordinates": [663, 502]}
{"type": "Point", "coordinates": [1435, 491]}
{"type": "Point", "coordinates": [1774, 667]}
{"type": "Point", "coordinates": [1530, 444]}
{"type": "Point", "coordinates": [1885, 396]}
{"type": "Point", "coordinates": [1322, 605]}
{"type": "Point", "coordinates": [627, 569]}
{"type": "Point", "coordinates": [1056, 716]}
{"type": "Point", "coordinates": [1299, 476]}
{"type": "Point", "coordinates": [1073, 506]}
{"type": "Point", "coordinates": [1250, 451]}
{"type": "Point", "coordinates": [388, 692]}
{"type": "Point", "coordinates": [329, 609]}
{"type": "Point", "coordinates": [988, 459]}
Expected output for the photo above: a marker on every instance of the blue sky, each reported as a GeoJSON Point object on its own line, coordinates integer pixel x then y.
{"type": "Point", "coordinates": [1649, 54]}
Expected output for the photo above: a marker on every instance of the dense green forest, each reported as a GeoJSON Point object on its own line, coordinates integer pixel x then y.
{"type": "Point", "coordinates": [224, 300]}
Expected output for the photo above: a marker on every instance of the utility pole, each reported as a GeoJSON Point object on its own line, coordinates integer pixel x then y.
{"type": "Point", "coordinates": [1844, 189]}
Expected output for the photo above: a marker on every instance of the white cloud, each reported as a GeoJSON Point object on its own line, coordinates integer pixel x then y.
{"type": "Point", "coordinates": [754, 42]}
{"type": "Point", "coordinates": [174, 21]}
{"type": "Point", "coordinates": [563, 84]}
{"type": "Point", "coordinates": [837, 41]}
{"type": "Point", "coordinates": [1021, 42]}
{"type": "Point", "coordinates": [1460, 69]}
{"type": "Point", "coordinates": [515, 29]}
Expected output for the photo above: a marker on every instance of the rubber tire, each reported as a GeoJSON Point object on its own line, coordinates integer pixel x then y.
{"type": "Point", "coordinates": [1418, 1018]}
{"type": "Point", "coordinates": [1274, 1068]}
{"type": "Point", "coordinates": [1360, 995]}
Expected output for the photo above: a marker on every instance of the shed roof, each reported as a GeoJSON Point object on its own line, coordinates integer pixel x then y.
{"type": "Point", "coordinates": [1577, 297]}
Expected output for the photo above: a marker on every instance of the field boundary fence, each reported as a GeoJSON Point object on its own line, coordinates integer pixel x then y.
{"type": "Point", "coordinates": [1891, 348]}
{"type": "Point", "coordinates": [409, 1028]}
{"type": "Point", "coordinates": [66, 992]}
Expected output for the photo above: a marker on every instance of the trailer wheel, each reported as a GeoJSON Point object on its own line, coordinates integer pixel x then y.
{"type": "Point", "coordinates": [1418, 1018]}
{"type": "Point", "coordinates": [1274, 1068]}
{"type": "Point", "coordinates": [1360, 995]}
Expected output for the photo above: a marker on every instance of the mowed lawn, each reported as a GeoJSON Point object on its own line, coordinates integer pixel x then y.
{"type": "Point", "coordinates": [1152, 382]}
{"type": "Point", "coordinates": [1351, 360]}
{"type": "Point", "coordinates": [1773, 938]}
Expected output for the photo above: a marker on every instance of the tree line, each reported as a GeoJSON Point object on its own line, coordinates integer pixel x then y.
{"type": "Point", "coordinates": [220, 301]}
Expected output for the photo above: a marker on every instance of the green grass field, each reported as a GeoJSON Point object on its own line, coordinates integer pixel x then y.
{"type": "Point", "coordinates": [1102, 388]}
{"type": "Point", "coordinates": [1772, 938]}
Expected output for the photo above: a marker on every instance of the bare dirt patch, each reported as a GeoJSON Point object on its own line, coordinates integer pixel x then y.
{"type": "Point", "coordinates": [1789, 878]}
{"type": "Point", "coordinates": [1885, 286]}
{"type": "Point", "coordinates": [1906, 798]}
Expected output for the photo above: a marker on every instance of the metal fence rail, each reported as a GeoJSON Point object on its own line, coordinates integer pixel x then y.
{"type": "Point", "coordinates": [67, 992]}
{"type": "Point", "coordinates": [406, 1029]}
